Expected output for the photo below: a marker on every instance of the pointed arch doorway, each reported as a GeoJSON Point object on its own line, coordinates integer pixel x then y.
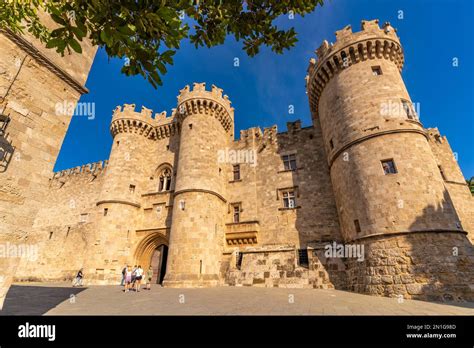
{"type": "Point", "coordinates": [153, 251]}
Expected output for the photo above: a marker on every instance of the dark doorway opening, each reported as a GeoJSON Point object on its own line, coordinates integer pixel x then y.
{"type": "Point", "coordinates": [158, 263]}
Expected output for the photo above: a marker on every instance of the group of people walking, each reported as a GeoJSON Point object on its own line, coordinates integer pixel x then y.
{"type": "Point", "coordinates": [132, 278]}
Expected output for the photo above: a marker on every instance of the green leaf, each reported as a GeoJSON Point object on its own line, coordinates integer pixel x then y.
{"type": "Point", "coordinates": [78, 32]}
{"type": "Point", "coordinates": [148, 66]}
{"type": "Point", "coordinates": [75, 45]}
{"type": "Point", "coordinates": [58, 19]}
{"type": "Point", "coordinates": [82, 27]}
{"type": "Point", "coordinates": [105, 38]}
{"type": "Point", "coordinates": [168, 56]}
{"type": "Point", "coordinates": [127, 29]}
{"type": "Point", "coordinates": [166, 13]}
{"type": "Point", "coordinates": [53, 43]}
{"type": "Point", "coordinates": [161, 67]}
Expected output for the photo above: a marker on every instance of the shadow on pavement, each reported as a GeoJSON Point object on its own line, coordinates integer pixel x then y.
{"type": "Point", "coordinates": [35, 300]}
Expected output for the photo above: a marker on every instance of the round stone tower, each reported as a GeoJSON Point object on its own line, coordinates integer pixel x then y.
{"type": "Point", "coordinates": [199, 207]}
{"type": "Point", "coordinates": [126, 178]}
{"type": "Point", "coordinates": [388, 188]}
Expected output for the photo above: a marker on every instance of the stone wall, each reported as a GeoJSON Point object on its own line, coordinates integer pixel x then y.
{"type": "Point", "coordinates": [280, 267]}
{"type": "Point", "coordinates": [30, 88]}
{"type": "Point", "coordinates": [75, 64]}
{"type": "Point", "coordinates": [454, 180]}
{"type": "Point", "coordinates": [315, 216]}
{"type": "Point", "coordinates": [65, 226]}
{"type": "Point", "coordinates": [424, 266]}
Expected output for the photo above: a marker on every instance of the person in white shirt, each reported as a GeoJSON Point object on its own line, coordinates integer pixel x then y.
{"type": "Point", "coordinates": [138, 278]}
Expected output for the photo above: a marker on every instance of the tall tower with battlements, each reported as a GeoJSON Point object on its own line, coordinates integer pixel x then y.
{"type": "Point", "coordinates": [125, 179]}
{"type": "Point", "coordinates": [386, 181]}
{"type": "Point", "coordinates": [140, 145]}
{"type": "Point", "coordinates": [199, 206]}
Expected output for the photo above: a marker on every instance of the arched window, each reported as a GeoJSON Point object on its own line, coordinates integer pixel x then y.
{"type": "Point", "coordinates": [165, 180]}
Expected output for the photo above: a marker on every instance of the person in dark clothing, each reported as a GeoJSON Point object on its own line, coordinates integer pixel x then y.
{"type": "Point", "coordinates": [78, 280]}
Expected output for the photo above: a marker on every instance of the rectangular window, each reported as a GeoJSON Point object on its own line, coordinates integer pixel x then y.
{"type": "Point", "coordinates": [289, 199]}
{"type": "Point", "coordinates": [84, 218]}
{"type": "Point", "coordinates": [441, 171]}
{"type": "Point", "coordinates": [236, 172]}
{"type": "Point", "coordinates": [289, 162]}
{"type": "Point", "coordinates": [106, 211]}
{"type": "Point", "coordinates": [389, 167]}
{"type": "Point", "coordinates": [376, 70]}
{"type": "Point", "coordinates": [131, 188]}
{"type": "Point", "coordinates": [238, 260]}
{"type": "Point", "coordinates": [331, 143]}
{"type": "Point", "coordinates": [357, 226]}
{"type": "Point", "coordinates": [408, 107]}
{"type": "Point", "coordinates": [236, 212]}
{"type": "Point", "coordinates": [303, 260]}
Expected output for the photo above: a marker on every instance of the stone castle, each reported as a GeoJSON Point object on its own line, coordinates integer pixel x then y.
{"type": "Point", "coordinates": [181, 194]}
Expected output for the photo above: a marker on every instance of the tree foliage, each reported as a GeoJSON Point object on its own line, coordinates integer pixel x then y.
{"type": "Point", "coordinates": [148, 32]}
{"type": "Point", "coordinates": [470, 183]}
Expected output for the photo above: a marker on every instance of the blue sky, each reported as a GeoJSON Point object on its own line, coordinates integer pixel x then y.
{"type": "Point", "coordinates": [261, 89]}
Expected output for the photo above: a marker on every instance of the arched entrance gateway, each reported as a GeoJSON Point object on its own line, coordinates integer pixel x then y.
{"type": "Point", "coordinates": [153, 250]}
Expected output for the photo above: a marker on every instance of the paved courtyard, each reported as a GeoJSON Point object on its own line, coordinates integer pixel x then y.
{"type": "Point", "coordinates": [61, 299]}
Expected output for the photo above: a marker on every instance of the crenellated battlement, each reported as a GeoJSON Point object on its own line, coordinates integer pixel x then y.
{"type": "Point", "coordinates": [94, 169]}
{"type": "Point", "coordinates": [199, 91]}
{"type": "Point", "coordinates": [254, 133]}
{"type": "Point", "coordinates": [372, 42]}
{"type": "Point", "coordinates": [345, 39]}
{"type": "Point", "coordinates": [435, 136]}
{"type": "Point", "coordinates": [128, 110]}
{"type": "Point", "coordinates": [293, 126]}
{"type": "Point", "coordinates": [213, 102]}
{"type": "Point", "coordinates": [126, 120]}
{"type": "Point", "coordinates": [269, 134]}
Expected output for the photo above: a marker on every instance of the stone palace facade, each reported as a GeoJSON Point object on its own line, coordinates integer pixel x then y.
{"type": "Point", "coordinates": [365, 199]}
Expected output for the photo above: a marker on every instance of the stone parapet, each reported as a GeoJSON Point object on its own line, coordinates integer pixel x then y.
{"type": "Point", "coordinates": [213, 103]}
{"type": "Point", "coordinates": [126, 120]}
{"type": "Point", "coordinates": [94, 168]}
{"type": "Point", "coordinates": [351, 48]}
